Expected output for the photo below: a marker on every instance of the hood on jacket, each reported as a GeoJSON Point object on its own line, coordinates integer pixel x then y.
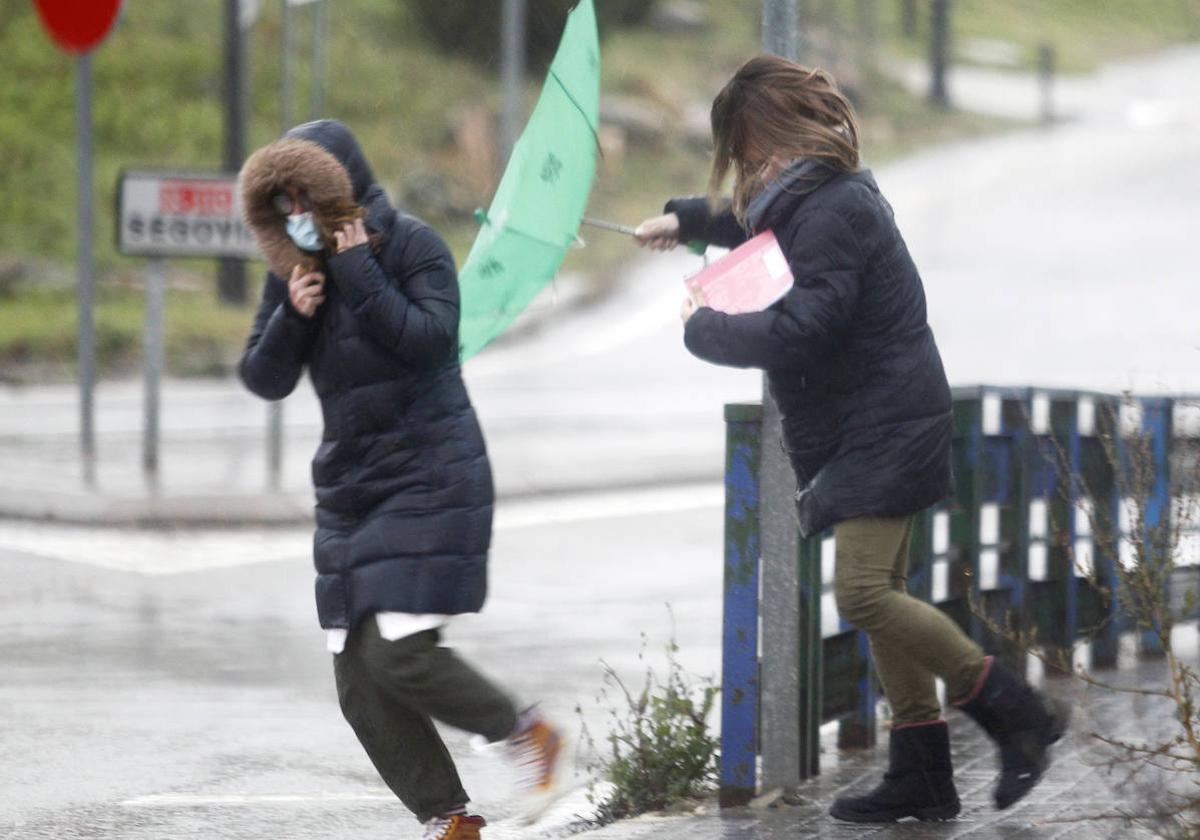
{"type": "Point", "coordinates": [323, 159]}
{"type": "Point", "coordinates": [339, 141]}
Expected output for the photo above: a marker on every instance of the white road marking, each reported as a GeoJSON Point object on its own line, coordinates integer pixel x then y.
{"type": "Point", "coordinates": [586, 507]}
{"type": "Point", "coordinates": [154, 552]}
{"type": "Point", "coordinates": [187, 800]}
{"type": "Point", "coordinates": [173, 552]}
{"type": "Point", "coordinates": [570, 809]}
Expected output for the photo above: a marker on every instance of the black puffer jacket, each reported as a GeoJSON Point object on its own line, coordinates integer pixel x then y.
{"type": "Point", "coordinates": [403, 485]}
{"type": "Point", "coordinates": [848, 352]}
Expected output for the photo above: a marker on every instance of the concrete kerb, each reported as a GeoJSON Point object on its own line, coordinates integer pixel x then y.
{"type": "Point", "coordinates": [92, 508]}
{"type": "Point", "coordinates": [283, 509]}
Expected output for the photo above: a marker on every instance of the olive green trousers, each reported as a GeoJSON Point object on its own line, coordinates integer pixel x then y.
{"type": "Point", "coordinates": [391, 692]}
{"type": "Point", "coordinates": [912, 642]}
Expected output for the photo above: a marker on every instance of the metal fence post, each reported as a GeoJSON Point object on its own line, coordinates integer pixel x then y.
{"type": "Point", "coordinates": [1059, 620]}
{"type": "Point", "coordinates": [781, 658]}
{"type": "Point", "coordinates": [1014, 517]}
{"type": "Point", "coordinates": [962, 583]}
{"type": "Point", "coordinates": [780, 618]}
{"type": "Point", "coordinates": [739, 648]}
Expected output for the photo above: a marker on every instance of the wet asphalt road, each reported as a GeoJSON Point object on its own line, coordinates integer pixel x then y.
{"type": "Point", "coordinates": [200, 704]}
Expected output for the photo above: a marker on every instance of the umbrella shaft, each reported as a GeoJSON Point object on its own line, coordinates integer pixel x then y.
{"type": "Point", "coordinates": [613, 226]}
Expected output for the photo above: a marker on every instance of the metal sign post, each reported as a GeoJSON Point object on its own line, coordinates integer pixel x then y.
{"type": "Point", "coordinates": [165, 214]}
{"type": "Point", "coordinates": [939, 52]}
{"type": "Point", "coordinates": [780, 575]}
{"type": "Point", "coordinates": [513, 72]}
{"type": "Point", "coordinates": [154, 350]}
{"type": "Point", "coordinates": [231, 272]}
{"type": "Point", "coordinates": [320, 35]}
{"type": "Point", "coordinates": [86, 289]}
{"type": "Point", "coordinates": [80, 28]}
{"type": "Point", "coordinates": [275, 408]}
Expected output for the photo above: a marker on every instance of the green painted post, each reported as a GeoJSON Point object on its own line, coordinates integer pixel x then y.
{"type": "Point", "coordinates": [1059, 621]}
{"type": "Point", "coordinates": [964, 516]}
{"type": "Point", "coordinates": [1099, 608]}
{"type": "Point", "coordinates": [811, 663]}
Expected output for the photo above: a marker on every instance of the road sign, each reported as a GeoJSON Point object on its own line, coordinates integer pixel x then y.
{"type": "Point", "coordinates": [77, 26]}
{"type": "Point", "coordinates": [176, 214]}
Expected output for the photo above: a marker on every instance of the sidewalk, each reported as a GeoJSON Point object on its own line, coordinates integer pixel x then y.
{"type": "Point", "coordinates": [1078, 787]}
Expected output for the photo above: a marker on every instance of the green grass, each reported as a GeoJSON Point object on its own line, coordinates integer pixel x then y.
{"type": "Point", "coordinates": [157, 104]}
{"type": "Point", "coordinates": [38, 329]}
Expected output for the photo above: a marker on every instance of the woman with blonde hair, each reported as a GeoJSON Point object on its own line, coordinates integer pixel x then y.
{"type": "Point", "coordinates": [851, 360]}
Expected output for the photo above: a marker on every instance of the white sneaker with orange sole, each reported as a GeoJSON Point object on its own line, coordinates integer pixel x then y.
{"type": "Point", "coordinates": [535, 751]}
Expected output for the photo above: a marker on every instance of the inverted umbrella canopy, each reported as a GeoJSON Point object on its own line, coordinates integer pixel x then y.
{"type": "Point", "coordinates": [537, 208]}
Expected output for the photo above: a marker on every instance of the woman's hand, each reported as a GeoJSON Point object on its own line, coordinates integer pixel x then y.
{"type": "Point", "coordinates": [691, 303]}
{"type": "Point", "coordinates": [660, 233]}
{"type": "Point", "coordinates": [306, 291]}
{"type": "Point", "coordinates": [350, 236]}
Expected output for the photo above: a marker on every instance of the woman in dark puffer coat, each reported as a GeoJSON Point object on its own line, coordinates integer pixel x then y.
{"type": "Point", "coordinates": [367, 299]}
{"type": "Point", "coordinates": [852, 363]}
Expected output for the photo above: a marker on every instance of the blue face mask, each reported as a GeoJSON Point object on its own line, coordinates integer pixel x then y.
{"type": "Point", "coordinates": [303, 232]}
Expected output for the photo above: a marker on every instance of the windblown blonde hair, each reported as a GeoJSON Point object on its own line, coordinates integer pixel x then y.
{"type": "Point", "coordinates": [773, 106]}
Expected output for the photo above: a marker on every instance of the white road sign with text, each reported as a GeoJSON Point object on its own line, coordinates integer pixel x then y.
{"type": "Point", "coordinates": [169, 214]}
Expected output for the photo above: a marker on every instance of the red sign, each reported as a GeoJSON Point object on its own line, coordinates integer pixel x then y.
{"type": "Point", "coordinates": [78, 25]}
{"type": "Point", "coordinates": [196, 198]}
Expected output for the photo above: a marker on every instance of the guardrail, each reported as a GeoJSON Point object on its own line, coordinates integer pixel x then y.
{"type": "Point", "coordinates": [1016, 539]}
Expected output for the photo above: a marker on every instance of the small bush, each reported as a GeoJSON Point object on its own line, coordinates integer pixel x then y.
{"type": "Point", "coordinates": [659, 751]}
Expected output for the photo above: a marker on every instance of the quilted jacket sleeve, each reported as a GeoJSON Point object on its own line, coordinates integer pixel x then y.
{"type": "Point", "coordinates": [415, 315]}
{"type": "Point", "coordinates": [798, 331]}
{"type": "Point", "coordinates": [277, 348]}
{"type": "Point", "coordinates": [697, 221]}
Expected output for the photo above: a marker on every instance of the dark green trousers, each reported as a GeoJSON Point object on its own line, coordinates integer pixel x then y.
{"type": "Point", "coordinates": [392, 692]}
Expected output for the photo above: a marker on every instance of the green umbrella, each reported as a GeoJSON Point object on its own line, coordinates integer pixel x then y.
{"type": "Point", "coordinates": [537, 208]}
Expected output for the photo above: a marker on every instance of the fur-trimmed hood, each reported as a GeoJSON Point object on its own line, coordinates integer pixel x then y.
{"type": "Point", "coordinates": [323, 159]}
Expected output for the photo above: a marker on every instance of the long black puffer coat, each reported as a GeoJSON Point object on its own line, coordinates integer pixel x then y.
{"type": "Point", "coordinates": [403, 484]}
{"type": "Point", "coordinates": [848, 352]}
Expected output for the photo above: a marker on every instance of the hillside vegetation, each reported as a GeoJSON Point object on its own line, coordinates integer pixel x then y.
{"type": "Point", "coordinates": [426, 119]}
